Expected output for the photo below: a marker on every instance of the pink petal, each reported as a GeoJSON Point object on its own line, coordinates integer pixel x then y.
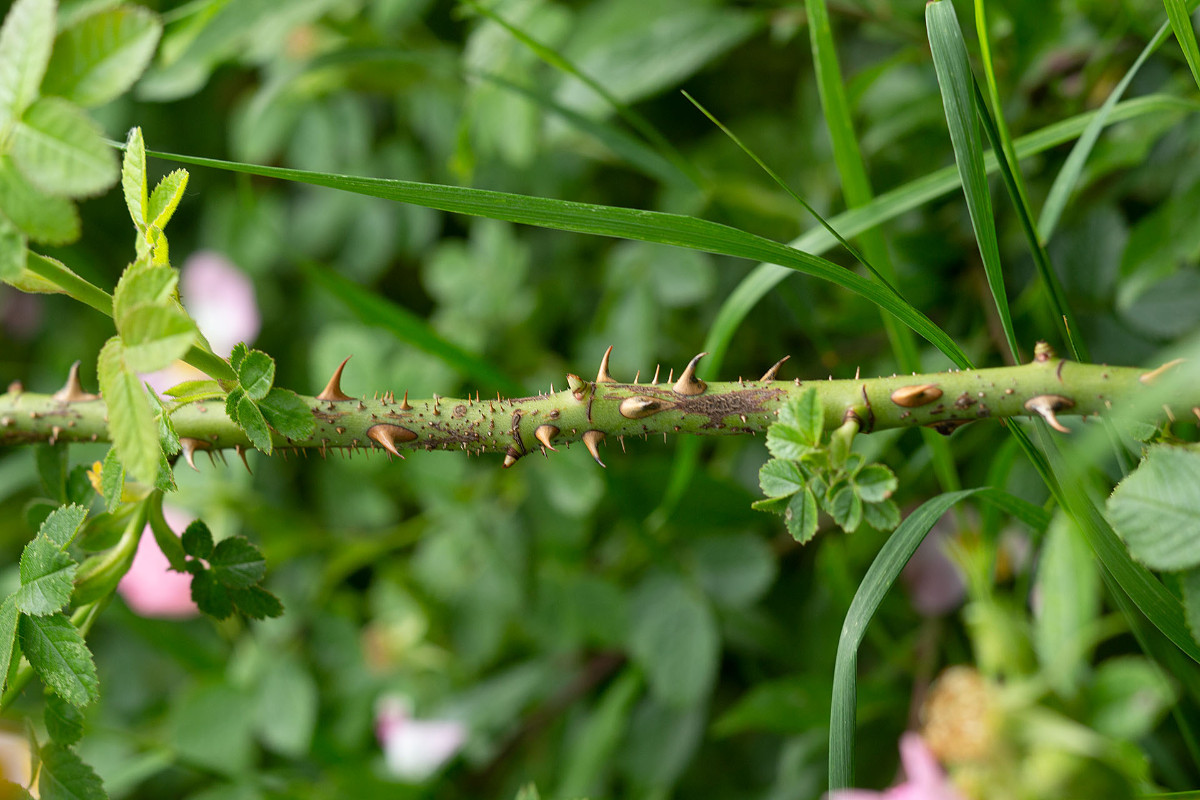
{"type": "Point", "coordinates": [14, 757]}
{"type": "Point", "coordinates": [150, 588]}
{"type": "Point", "coordinates": [934, 582]}
{"type": "Point", "coordinates": [415, 749]}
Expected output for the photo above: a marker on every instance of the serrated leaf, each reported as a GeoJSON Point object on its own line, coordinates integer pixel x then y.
{"type": "Point", "coordinates": [238, 355]}
{"type": "Point", "coordinates": [1156, 509]}
{"type": "Point", "coordinates": [875, 483]}
{"type": "Point", "coordinates": [231, 402]}
{"type": "Point", "coordinates": [64, 722]}
{"type": "Point", "coordinates": [256, 374]}
{"type": "Point", "coordinates": [142, 284]}
{"type": "Point", "coordinates": [251, 420]}
{"type": "Point", "coordinates": [166, 428]}
{"type": "Point", "coordinates": [42, 217]}
{"type": "Point", "coordinates": [60, 657]}
{"type": "Point", "coordinates": [14, 251]}
{"type": "Point", "coordinates": [156, 336]}
{"type": "Point", "coordinates": [191, 391]}
{"type": "Point", "coordinates": [26, 39]}
{"type": "Point", "coordinates": [801, 516]}
{"type": "Point", "coordinates": [101, 55]}
{"type": "Point", "coordinates": [197, 540]}
{"type": "Point", "coordinates": [806, 415]}
{"type": "Point", "coordinates": [61, 150]}
{"type": "Point", "coordinates": [131, 422]}
{"type": "Point", "coordinates": [846, 509]}
{"type": "Point", "coordinates": [112, 480]}
{"type": "Point", "coordinates": [256, 602]}
{"type": "Point", "coordinates": [237, 563]}
{"type": "Point", "coordinates": [210, 596]}
{"type": "Point", "coordinates": [62, 524]}
{"type": "Point", "coordinates": [288, 414]}
{"type": "Point", "coordinates": [166, 197]}
{"type": "Point", "coordinates": [772, 505]}
{"type": "Point", "coordinates": [47, 578]}
{"type": "Point", "coordinates": [786, 441]}
{"type": "Point", "coordinates": [133, 178]}
{"type": "Point", "coordinates": [883, 516]}
{"type": "Point", "coordinates": [8, 635]}
{"type": "Point", "coordinates": [780, 478]}
{"type": "Point", "coordinates": [64, 776]}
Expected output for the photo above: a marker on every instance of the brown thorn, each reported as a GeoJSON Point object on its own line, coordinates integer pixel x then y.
{"type": "Point", "coordinates": [688, 384]}
{"type": "Point", "coordinates": [404, 406]}
{"type": "Point", "coordinates": [636, 375]}
{"type": "Point", "coordinates": [545, 434]}
{"type": "Point", "coordinates": [72, 391]}
{"type": "Point", "coordinates": [241, 451]}
{"type": "Point", "coordinates": [637, 407]}
{"type": "Point", "coordinates": [603, 376]}
{"type": "Point", "coordinates": [770, 374]}
{"type": "Point", "coordinates": [190, 446]}
{"type": "Point", "coordinates": [55, 431]}
{"type": "Point", "coordinates": [333, 390]}
{"type": "Point", "coordinates": [510, 457]}
{"type": "Point", "coordinates": [915, 396]}
{"type": "Point", "coordinates": [1150, 377]}
{"type": "Point", "coordinates": [590, 440]}
{"type": "Point", "coordinates": [387, 435]}
{"type": "Point", "coordinates": [671, 375]}
{"type": "Point", "coordinates": [621, 439]}
{"type": "Point", "coordinates": [1046, 404]}
{"type": "Point", "coordinates": [654, 381]}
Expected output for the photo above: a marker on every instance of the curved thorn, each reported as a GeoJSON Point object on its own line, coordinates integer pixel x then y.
{"type": "Point", "coordinates": [510, 458]}
{"type": "Point", "coordinates": [603, 376]}
{"type": "Point", "coordinates": [1046, 404]}
{"type": "Point", "coordinates": [241, 451]}
{"type": "Point", "coordinates": [688, 384]}
{"type": "Point", "coordinates": [1151, 377]}
{"type": "Point", "coordinates": [545, 434]}
{"type": "Point", "coordinates": [333, 390]}
{"type": "Point", "coordinates": [387, 435]}
{"type": "Point", "coordinates": [770, 374]}
{"type": "Point", "coordinates": [190, 446]}
{"type": "Point", "coordinates": [72, 391]}
{"type": "Point", "coordinates": [591, 439]}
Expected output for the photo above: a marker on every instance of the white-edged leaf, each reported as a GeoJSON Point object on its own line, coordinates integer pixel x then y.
{"type": "Point", "coordinates": [61, 150]}
{"type": "Point", "coordinates": [166, 197]}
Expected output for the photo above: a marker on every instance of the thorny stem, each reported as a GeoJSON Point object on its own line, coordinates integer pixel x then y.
{"type": "Point", "coordinates": [588, 411]}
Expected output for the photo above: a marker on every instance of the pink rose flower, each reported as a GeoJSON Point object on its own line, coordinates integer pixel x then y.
{"type": "Point", "coordinates": [415, 749]}
{"type": "Point", "coordinates": [934, 582]}
{"type": "Point", "coordinates": [925, 779]}
{"type": "Point", "coordinates": [150, 588]}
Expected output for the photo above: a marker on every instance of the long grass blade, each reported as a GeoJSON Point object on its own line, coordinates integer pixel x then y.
{"type": "Point", "coordinates": [1001, 140]}
{"type": "Point", "coordinates": [883, 572]}
{"type": "Point", "coordinates": [622, 223]}
{"type": "Point", "coordinates": [375, 310]}
{"type": "Point", "coordinates": [957, 87]}
{"type": "Point", "coordinates": [1181, 24]}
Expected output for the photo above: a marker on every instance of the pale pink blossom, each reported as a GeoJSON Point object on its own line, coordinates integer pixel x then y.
{"type": "Point", "coordinates": [220, 298]}
{"type": "Point", "coordinates": [415, 749]}
{"type": "Point", "coordinates": [14, 759]}
{"type": "Point", "coordinates": [924, 777]}
{"type": "Point", "coordinates": [934, 582]}
{"type": "Point", "coordinates": [150, 588]}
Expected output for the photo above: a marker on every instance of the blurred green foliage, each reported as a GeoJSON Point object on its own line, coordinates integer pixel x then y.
{"type": "Point", "coordinates": [592, 646]}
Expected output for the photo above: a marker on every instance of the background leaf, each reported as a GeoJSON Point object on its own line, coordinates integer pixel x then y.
{"type": "Point", "coordinates": [60, 151]}
{"type": "Point", "coordinates": [25, 41]}
{"type": "Point", "coordinates": [1156, 510]}
{"type": "Point", "coordinates": [99, 56]}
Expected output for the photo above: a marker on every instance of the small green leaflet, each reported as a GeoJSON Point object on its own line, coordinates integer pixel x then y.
{"type": "Point", "coordinates": [64, 776]}
{"type": "Point", "coordinates": [1156, 510]}
{"type": "Point", "coordinates": [56, 651]}
{"type": "Point", "coordinates": [131, 422]}
{"type": "Point", "coordinates": [229, 582]}
{"type": "Point", "coordinates": [801, 516]}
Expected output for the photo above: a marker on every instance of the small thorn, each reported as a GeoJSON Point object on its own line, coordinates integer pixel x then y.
{"type": "Point", "coordinates": [1151, 377]}
{"type": "Point", "coordinates": [621, 439]}
{"type": "Point", "coordinates": [333, 390]}
{"type": "Point", "coordinates": [510, 457]}
{"type": "Point", "coordinates": [15, 388]}
{"type": "Point", "coordinates": [688, 384]}
{"type": "Point", "coordinates": [190, 446]}
{"type": "Point", "coordinates": [241, 451]}
{"type": "Point", "coordinates": [654, 382]}
{"type": "Point", "coordinates": [636, 375]}
{"type": "Point", "coordinates": [387, 436]}
{"type": "Point", "coordinates": [590, 440]}
{"type": "Point", "coordinates": [545, 434]}
{"type": "Point", "coordinates": [1046, 404]}
{"type": "Point", "coordinates": [603, 376]}
{"type": "Point", "coordinates": [671, 375]}
{"type": "Point", "coordinates": [1042, 352]}
{"type": "Point", "coordinates": [770, 374]}
{"type": "Point", "coordinates": [857, 372]}
{"type": "Point", "coordinates": [55, 432]}
{"type": "Point", "coordinates": [404, 406]}
{"type": "Point", "coordinates": [71, 392]}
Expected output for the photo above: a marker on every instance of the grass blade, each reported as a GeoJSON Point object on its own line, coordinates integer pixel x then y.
{"type": "Point", "coordinates": [883, 572]}
{"type": "Point", "coordinates": [376, 310]}
{"type": "Point", "coordinates": [622, 223]}
{"type": "Point", "coordinates": [1001, 141]}
{"type": "Point", "coordinates": [1181, 24]}
{"type": "Point", "coordinates": [957, 84]}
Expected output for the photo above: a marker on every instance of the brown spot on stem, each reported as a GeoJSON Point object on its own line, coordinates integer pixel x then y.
{"type": "Point", "coordinates": [639, 406]}
{"type": "Point", "coordinates": [947, 426]}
